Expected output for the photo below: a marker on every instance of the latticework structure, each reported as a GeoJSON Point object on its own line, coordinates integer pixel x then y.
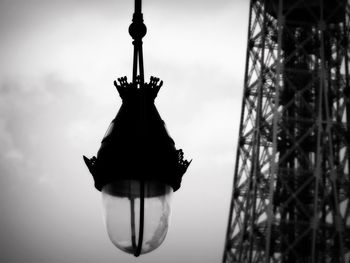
{"type": "Point", "coordinates": [291, 191]}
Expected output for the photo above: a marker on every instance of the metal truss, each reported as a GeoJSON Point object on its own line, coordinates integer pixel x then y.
{"type": "Point", "coordinates": [291, 191]}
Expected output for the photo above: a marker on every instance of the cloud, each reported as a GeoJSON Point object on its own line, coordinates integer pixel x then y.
{"type": "Point", "coordinates": [40, 168]}
{"type": "Point", "coordinates": [59, 60]}
{"type": "Point", "coordinates": [33, 119]}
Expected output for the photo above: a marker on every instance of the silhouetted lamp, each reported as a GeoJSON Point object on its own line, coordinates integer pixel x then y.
{"type": "Point", "coordinates": [137, 166]}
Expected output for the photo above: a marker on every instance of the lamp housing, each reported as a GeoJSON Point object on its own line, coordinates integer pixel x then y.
{"type": "Point", "coordinates": [137, 168]}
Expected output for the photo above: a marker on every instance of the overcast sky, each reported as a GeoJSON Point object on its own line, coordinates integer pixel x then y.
{"type": "Point", "coordinates": [58, 60]}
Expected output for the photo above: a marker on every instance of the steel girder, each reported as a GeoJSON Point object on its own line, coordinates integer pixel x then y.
{"type": "Point", "coordinates": [290, 200]}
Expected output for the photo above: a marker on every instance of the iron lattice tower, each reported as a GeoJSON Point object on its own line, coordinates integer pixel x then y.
{"type": "Point", "coordinates": [291, 189]}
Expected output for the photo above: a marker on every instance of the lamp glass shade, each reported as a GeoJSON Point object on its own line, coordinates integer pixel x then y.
{"type": "Point", "coordinates": [126, 220]}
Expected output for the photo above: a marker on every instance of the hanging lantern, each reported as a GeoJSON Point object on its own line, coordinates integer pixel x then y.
{"type": "Point", "coordinates": [137, 167]}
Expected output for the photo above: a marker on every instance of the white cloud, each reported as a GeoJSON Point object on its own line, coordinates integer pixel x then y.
{"type": "Point", "coordinates": [59, 60]}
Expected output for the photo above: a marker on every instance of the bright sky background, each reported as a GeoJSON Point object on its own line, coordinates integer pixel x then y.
{"type": "Point", "coordinates": [58, 60]}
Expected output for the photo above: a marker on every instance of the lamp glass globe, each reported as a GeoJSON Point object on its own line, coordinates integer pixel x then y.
{"type": "Point", "coordinates": [123, 213]}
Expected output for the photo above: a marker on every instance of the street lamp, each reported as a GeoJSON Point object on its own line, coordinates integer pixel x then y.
{"type": "Point", "coordinates": [137, 167]}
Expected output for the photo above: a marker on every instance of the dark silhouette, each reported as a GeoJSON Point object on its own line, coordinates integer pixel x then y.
{"type": "Point", "coordinates": [291, 191]}
{"type": "Point", "coordinates": [136, 145]}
